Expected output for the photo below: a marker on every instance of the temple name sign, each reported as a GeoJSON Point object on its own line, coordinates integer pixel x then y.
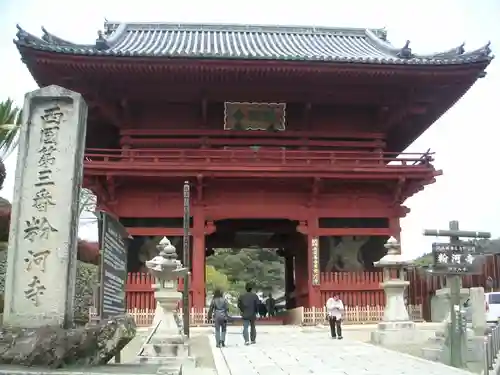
{"type": "Point", "coordinates": [42, 255]}
{"type": "Point", "coordinates": [454, 258]}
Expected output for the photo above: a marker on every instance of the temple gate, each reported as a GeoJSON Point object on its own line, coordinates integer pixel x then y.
{"type": "Point", "coordinates": [291, 138]}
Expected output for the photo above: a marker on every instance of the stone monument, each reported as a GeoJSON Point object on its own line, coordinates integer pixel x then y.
{"type": "Point", "coordinates": [396, 326]}
{"type": "Point", "coordinates": [478, 310]}
{"type": "Point", "coordinates": [41, 262]}
{"type": "Point", "coordinates": [166, 344]}
{"type": "Point", "coordinates": [479, 327]}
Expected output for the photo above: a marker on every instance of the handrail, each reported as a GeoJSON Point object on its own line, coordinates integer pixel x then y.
{"type": "Point", "coordinates": [491, 351]}
{"type": "Point", "coordinates": [261, 156]}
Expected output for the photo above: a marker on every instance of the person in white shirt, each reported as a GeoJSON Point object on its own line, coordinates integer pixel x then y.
{"type": "Point", "coordinates": [334, 310]}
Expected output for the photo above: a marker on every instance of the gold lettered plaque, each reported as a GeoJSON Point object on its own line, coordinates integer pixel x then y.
{"type": "Point", "coordinates": [254, 116]}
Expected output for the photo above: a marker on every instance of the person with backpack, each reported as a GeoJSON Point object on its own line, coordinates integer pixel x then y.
{"type": "Point", "coordinates": [219, 313]}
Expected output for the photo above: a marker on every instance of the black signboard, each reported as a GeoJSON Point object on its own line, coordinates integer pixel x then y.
{"type": "Point", "coordinates": [113, 241]}
{"type": "Point", "coordinates": [454, 258]}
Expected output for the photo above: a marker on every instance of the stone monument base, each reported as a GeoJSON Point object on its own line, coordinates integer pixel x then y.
{"type": "Point", "coordinates": [55, 347]}
{"type": "Point", "coordinates": [393, 333]}
{"type": "Point", "coordinates": [436, 348]}
{"type": "Point", "coordinates": [110, 369]}
{"type": "Point", "coordinates": [171, 353]}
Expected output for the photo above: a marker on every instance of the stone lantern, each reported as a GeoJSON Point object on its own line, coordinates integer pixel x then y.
{"type": "Point", "coordinates": [166, 340]}
{"type": "Point", "coordinates": [396, 325]}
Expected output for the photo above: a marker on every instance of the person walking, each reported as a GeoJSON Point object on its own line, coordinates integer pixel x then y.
{"type": "Point", "coordinates": [218, 313]}
{"type": "Point", "coordinates": [271, 305]}
{"type": "Point", "coordinates": [335, 310]}
{"type": "Point", "coordinates": [248, 303]}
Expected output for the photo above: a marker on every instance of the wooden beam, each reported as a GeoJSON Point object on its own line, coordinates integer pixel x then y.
{"type": "Point", "coordinates": [354, 174]}
{"type": "Point", "coordinates": [160, 231]}
{"type": "Point", "coordinates": [66, 63]}
{"type": "Point", "coordinates": [170, 142]}
{"type": "Point", "coordinates": [260, 134]}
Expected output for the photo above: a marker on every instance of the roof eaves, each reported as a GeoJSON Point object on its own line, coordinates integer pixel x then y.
{"type": "Point", "coordinates": [377, 37]}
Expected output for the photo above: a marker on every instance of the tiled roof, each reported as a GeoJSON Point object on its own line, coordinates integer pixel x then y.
{"type": "Point", "coordinates": [249, 42]}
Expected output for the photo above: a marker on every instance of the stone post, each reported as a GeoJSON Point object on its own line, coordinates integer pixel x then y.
{"type": "Point", "coordinates": [478, 309]}
{"type": "Point", "coordinates": [396, 326]}
{"type": "Point", "coordinates": [42, 255]}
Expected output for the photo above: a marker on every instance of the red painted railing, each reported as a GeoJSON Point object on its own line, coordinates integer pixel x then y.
{"type": "Point", "coordinates": [354, 288]}
{"type": "Point", "coordinates": [229, 160]}
{"type": "Point", "coordinates": [139, 293]}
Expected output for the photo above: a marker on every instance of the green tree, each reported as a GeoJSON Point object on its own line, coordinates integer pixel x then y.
{"type": "Point", "coordinates": [424, 260]}
{"type": "Point", "coordinates": [263, 267]}
{"type": "Point", "coordinates": [10, 124]}
{"type": "Point", "coordinates": [215, 279]}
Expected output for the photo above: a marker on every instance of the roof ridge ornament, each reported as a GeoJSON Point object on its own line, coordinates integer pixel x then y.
{"type": "Point", "coordinates": [381, 33]}
{"type": "Point", "coordinates": [405, 52]}
{"type": "Point", "coordinates": [486, 50]}
{"type": "Point", "coordinates": [26, 37]}
{"type": "Point", "coordinates": [101, 44]}
{"type": "Point", "coordinates": [108, 28]}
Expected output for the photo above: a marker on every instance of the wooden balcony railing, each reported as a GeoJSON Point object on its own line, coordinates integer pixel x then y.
{"type": "Point", "coordinates": [254, 160]}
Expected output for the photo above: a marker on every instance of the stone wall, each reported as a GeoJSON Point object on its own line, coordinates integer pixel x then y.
{"type": "Point", "coordinates": [86, 280]}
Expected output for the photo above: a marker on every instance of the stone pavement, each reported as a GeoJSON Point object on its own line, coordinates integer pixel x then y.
{"type": "Point", "coordinates": [296, 353]}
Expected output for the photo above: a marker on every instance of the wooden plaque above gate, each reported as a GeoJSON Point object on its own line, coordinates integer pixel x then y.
{"type": "Point", "coordinates": [254, 116]}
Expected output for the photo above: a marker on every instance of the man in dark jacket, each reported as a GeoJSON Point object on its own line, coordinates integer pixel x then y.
{"type": "Point", "coordinates": [248, 304]}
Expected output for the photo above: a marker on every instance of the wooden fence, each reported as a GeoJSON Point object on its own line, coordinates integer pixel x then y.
{"type": "Point", "coordinates": [353, 314]}
{"type": "Point", "coordinates": [359, 289]}
{"type": "Point", "coordinates": [298, 316]}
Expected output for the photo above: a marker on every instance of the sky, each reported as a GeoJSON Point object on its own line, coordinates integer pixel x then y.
{"type": "Point", "coordinates": [464, 139]}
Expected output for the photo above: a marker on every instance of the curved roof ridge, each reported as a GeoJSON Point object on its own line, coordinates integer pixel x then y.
{"type": "Point", "coordinates": [53, 39]}
{"type": "Point", "coordinates": [50, 40]}
{"type": "Point", "coordinates": [406, 52]}
{"type": "Point", "coordinates": [26, 37]}
{"type": "Point", "coordinates": [380, 42]}
{"type": "Point", "coordinates": [459, 51]}
{"type": "Point", "coordinates": [113, 27]}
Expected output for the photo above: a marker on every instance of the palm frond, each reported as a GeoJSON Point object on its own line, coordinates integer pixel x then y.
{"type": "Point", "coordinates": [10, 125]}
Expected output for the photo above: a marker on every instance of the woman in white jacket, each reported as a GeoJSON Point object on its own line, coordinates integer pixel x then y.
{"type": "Point", "coordinates": [335, 310]}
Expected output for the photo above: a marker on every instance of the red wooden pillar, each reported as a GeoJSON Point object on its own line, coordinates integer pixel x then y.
{"type": "Point", "coordinates": [299, 266]}
{"type": "Point", "coordinates": [198, 259]}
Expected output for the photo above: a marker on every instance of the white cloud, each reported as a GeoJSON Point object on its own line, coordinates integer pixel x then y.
{"type": "Point", "coordinates": [464, 140]}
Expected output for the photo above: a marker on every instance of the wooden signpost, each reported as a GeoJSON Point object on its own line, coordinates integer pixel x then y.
{"type": "Point", "coordinates": [454, 259]}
